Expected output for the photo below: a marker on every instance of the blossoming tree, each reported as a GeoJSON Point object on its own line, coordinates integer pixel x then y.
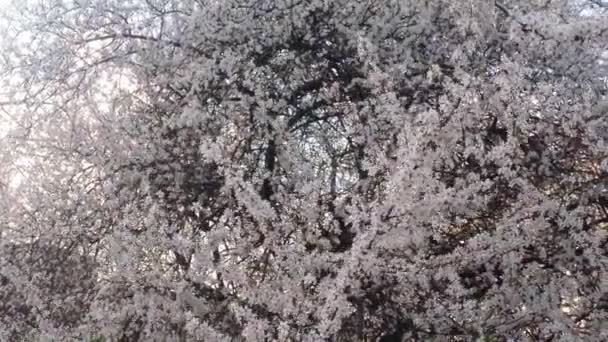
{"type": "Point", "coordinates": [304, 170]}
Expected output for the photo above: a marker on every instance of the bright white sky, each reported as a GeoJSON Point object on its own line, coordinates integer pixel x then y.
{"type": "Point", "coordinates": [15, 175]}
{"type": "Point", "coordinates": [3, 26]}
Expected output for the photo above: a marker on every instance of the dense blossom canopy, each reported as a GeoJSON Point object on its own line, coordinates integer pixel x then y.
{"type": "Point", "coordinates": [304, 170]}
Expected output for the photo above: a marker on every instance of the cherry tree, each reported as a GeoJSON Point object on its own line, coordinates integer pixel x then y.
{"type": "Point", "coordinates": [304, 170]}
